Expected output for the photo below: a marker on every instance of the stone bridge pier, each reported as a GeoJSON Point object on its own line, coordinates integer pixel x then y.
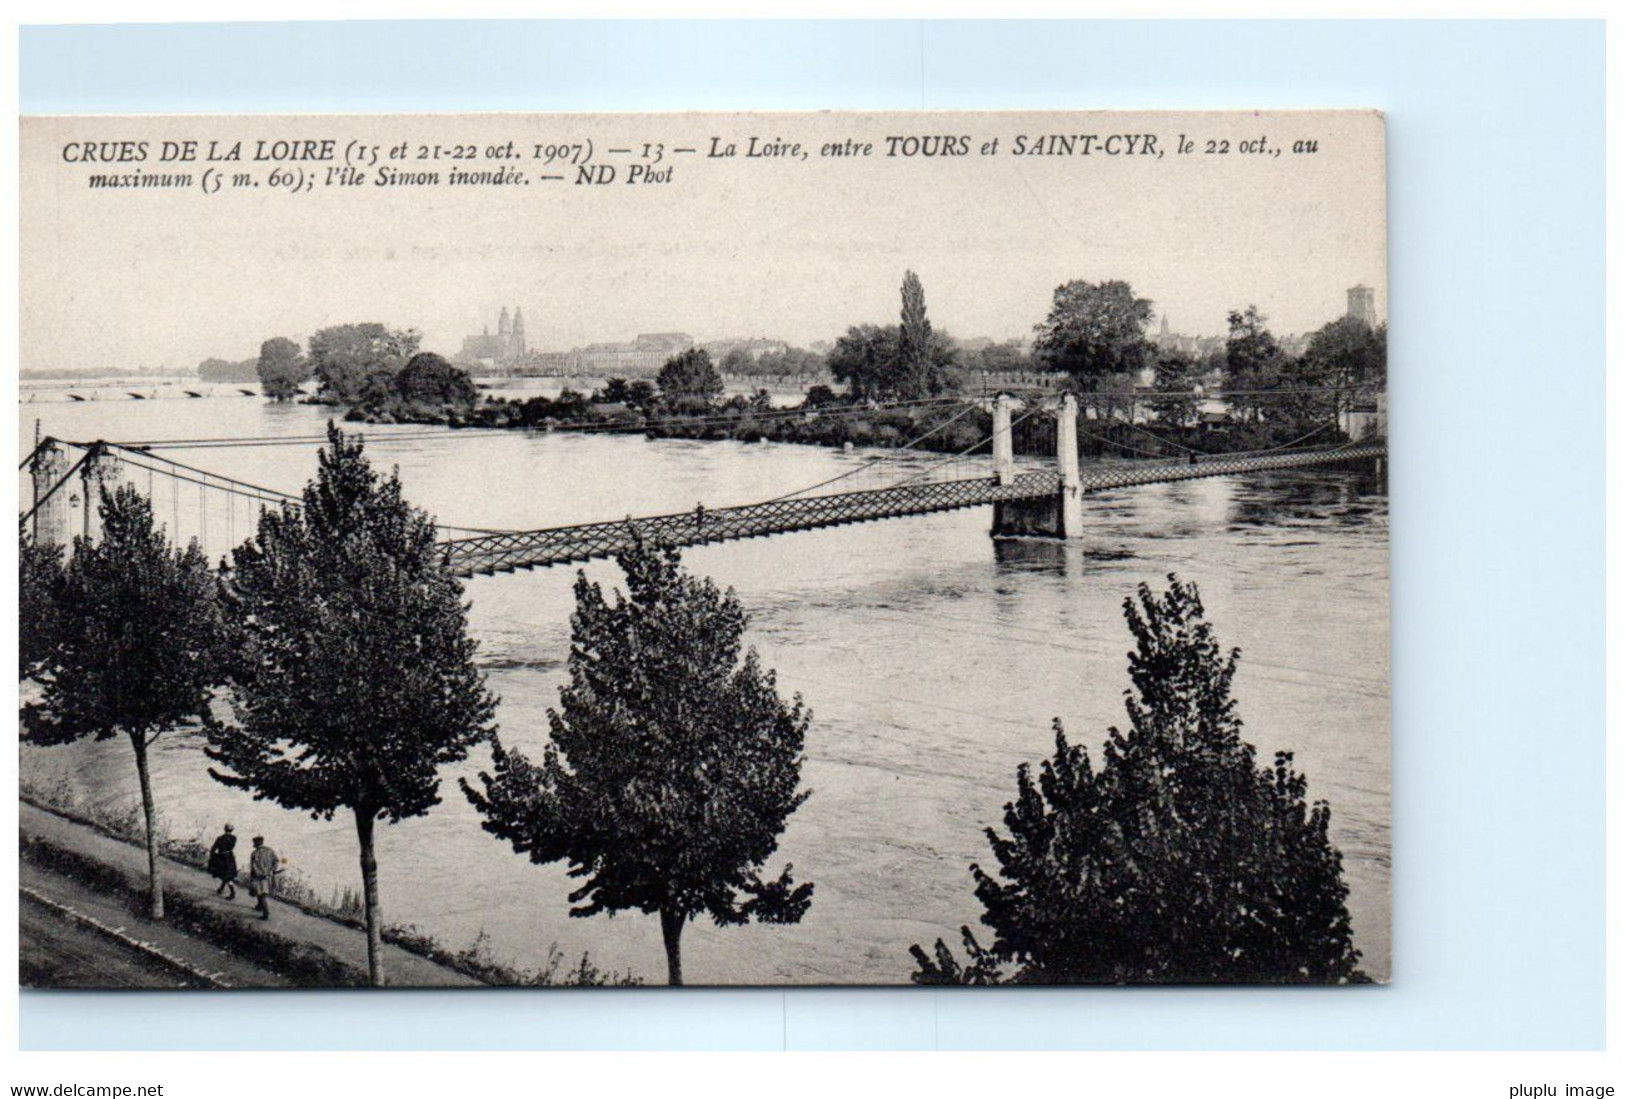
{"type": "Point", "coordinates": [1057, 516]}
{"type": "Point", "coordinates": [51, 508]}
{"type": "Point", "coordinates": [56, 499]}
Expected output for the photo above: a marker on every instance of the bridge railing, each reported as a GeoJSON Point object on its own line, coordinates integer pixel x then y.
{"type": "Point", "coordinates": [583, 542]}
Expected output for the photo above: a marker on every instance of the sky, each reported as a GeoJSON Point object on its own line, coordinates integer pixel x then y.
{"type": "Point", "coordinates": [778, 246]}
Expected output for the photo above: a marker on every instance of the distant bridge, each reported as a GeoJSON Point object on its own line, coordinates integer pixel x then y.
{"type": "Point", "coordinates": [1037, 504]}
{"type": "Point", "coordinates": [1041, 504]}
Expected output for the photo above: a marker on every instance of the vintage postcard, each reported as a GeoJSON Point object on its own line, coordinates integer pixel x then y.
{"type": "Point", "coordinates": [831, 548]}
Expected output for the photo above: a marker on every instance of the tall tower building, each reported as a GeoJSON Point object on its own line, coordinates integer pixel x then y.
{"type": "Point", "coordinates": [503, 324]}
{"type": "Point", "coordinates": [1363, 305]}
{"type": "Point", "coordinates": [517, 346]}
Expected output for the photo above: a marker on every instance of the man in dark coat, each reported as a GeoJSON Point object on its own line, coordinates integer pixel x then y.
{"type": "Point", "coordinates": [223, 864]}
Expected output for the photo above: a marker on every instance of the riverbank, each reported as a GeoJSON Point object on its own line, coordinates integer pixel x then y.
{"type": "Point", "coordinates": [294, 947]}
{"type": "Point", "coordinates": [827, 420]}
{"type": "Point", "coordinates": [76, 863]}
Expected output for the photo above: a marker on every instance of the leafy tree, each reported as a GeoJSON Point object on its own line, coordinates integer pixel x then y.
{"type": "Point", "coordinates": [377, 389]}
{"type": "Point", "coordinates": [282, 368]}
{"type": "Point", "coordinates": [672, 765]}
{"type": "Point", "coordinates": [690, 376]}
{"type": "Point", "coordinates": [865, 361]}
{"type": "Point", "coordinates": [1253, 361]}
{"type": "Point", "coordinates": [791, 362]}
{"type": "Point", "coordinates": [738, 361]}
{"type": "Point", "coordinates": [344, 356]}
{"type": "Point", "coordinates": [1348, 355]}
{"type": "Point", "coordinates": [355, 679]}
{"type": "Point", "coordinates": [819, 396]}
{"type": "Point", "coordinates": [614, 391]}
{"type": "Point", "coordinates": [1094, 330]}
{"type": "Point", "coordinates": [139, 644]}
{"type": "Point", "coordinates": [641, 396]}
{"type": "Point", "coordinates": [428, 378]}
{"type": "Point", "coordinates": [1179, 860]}
{"type": "Point", "coordinates": [1177, 375]}
{"type": "Point", "coordinates": [39, 597]}
{"type": "Point", "coordinates": [1002, 358]}
{"type": "Point", "coordinates": [869, 360]}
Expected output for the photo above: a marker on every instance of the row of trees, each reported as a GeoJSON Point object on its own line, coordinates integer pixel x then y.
{"type": "Point", "coordinates": [332, 672]}
{"type": "Point", "coordinates": [349, 362]}
{"type": "Point", "coordinates": [224, 370]}
{"type": "Point", "coordinates": [906, 361]}
{"type": "Point", "coordinates": [1095, 333]}
{"type": "Point", "coordinates": [792, 362]}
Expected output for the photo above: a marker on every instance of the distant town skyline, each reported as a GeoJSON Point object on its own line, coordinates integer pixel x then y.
{"type": "Point", "coordinates": [451, 345]}
{"type": "Point", "coordinates": [729, 250]}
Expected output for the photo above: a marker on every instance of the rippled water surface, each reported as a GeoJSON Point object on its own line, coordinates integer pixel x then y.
{"type": "Point", "coordinates": [933, 659]}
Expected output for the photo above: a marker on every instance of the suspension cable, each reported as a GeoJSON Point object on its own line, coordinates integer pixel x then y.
{"type": "Point", "coordinates": [203, 472]}
{"type": "Point", "coordinates": [878, 459]}
{"type": "Point", "coordinates": [1035, 410]}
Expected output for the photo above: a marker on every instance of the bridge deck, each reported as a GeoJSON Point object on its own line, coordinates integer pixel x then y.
{"type": "Point", "coordinates": [492, 553]}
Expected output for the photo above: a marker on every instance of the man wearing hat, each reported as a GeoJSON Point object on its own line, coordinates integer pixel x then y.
{"type": "Point", "coordinates": [263, 867]}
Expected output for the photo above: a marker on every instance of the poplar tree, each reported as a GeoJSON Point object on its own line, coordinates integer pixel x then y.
{"type": "Point", "coordinates": [354, 681]}
{"type": "Point", "coordinates": [137, 644]}
{"type": "Point", "coordinates": [672, 766]}
{"type": "Point", "coordinates": [1179, 860]}
{"type": "Point", "coordinates": [914, 329]}
{"type": "Point", "coordinates": [922, 355]}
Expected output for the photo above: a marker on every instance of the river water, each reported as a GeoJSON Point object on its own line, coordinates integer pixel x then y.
{"type": "Point", "coordinates": [933, 660]}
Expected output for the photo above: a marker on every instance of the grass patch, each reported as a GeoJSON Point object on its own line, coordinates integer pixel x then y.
{"type": "Point", "coordinates": [299, 963]}
{"type": "Point", "coordinates": [344, 907]}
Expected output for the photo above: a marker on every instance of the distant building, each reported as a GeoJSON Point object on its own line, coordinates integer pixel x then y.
{"type": "Point", "coordinates": [645, 355]}
{"type": "Point", "coordinates": [1194, 346]}
{"type": "Point", "coordinates": [754, 348]}
{"type": "Point", "coordinates": [1363, 305]}
{"type": "Point", "coordinates": [506, 348]}
{"type": "Point", "coordinates": [1293, 344]}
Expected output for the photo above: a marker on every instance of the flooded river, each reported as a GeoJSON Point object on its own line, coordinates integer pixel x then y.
{"type": "Point", "coordinates": [932, 658]}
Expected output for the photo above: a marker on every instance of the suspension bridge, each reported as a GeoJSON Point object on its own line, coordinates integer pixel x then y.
{"type": "Point", "coordinates": [1027, 502]}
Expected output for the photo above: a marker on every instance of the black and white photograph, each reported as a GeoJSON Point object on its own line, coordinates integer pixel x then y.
{"type": "Point", "coordinates": [848, 548]}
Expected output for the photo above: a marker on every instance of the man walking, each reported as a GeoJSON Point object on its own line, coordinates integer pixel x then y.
{"type": "Point", "coordinates": [263, 867]}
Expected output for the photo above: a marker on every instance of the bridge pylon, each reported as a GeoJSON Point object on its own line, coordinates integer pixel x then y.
{"type": "Point", "coordinates": [48, 469]}
{"type": "Point", "coordinates": [99, 470]}
{"type": "Point", "coordinates": [1056, 516]}
{"type": "Point", "coordinates": [1004, 451]}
